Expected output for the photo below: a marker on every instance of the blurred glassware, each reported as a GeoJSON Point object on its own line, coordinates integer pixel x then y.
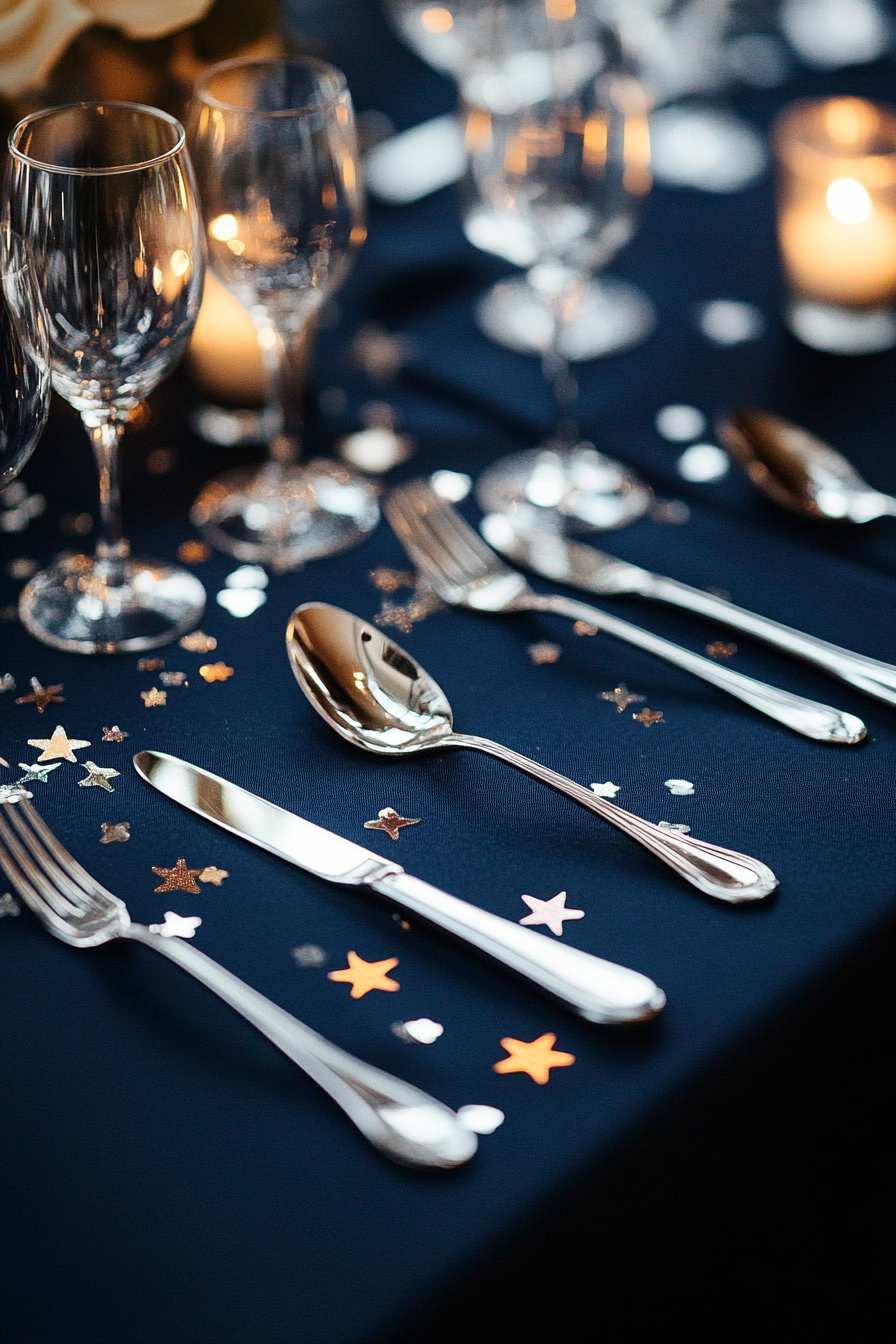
{"type": "Point", "coordinates": [837, 222]}
{"type": "Point", "coordinates": [24, 359]}
{"type": "Point", "coordinates": [829, 34]}
{"type": "Point", "coordinates": [103, 195]}
{"type": "Point", "coordinates": [275, 150]}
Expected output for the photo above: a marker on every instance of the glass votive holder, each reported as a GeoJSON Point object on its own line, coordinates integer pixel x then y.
{"type": "Point", "coordinates": [837, 222]}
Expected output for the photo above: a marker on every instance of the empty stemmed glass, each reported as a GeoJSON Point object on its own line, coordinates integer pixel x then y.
{"type": "Point", "coordinates": [103, 196]}
{"type": "Point", "coordinates": [275, 152]}
{"type": "Point", "coordinates": [24, 359]}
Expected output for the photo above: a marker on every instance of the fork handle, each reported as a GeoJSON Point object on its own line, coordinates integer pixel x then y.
{"type": "Point", "coordinates": [400, 1120]}
{"type": "Point", "coordinates": [809, 717]}
{"type": "Point", "coordinates": [723, 873]}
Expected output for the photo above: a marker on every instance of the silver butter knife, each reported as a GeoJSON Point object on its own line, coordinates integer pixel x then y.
{"type": "Point", "coordinates": [553, 556]}
{"type": "Point", "coordinates": [596, 989]}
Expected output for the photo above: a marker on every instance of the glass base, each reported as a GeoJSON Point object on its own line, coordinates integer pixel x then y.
{"type": "Point", "coordinates": [232, 428]}
{"type": "Point", "coordinates": [73, 605]}
{"type": "Point", "coordinates": [283, 515]}
{"type": "Point", "coordinates": [611, 315]}
{"type": "Point", "coordinates": [841, 330]}
{"type": "Point", "coordinates": [573, 488]}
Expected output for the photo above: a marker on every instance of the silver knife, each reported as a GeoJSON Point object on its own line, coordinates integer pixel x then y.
{"type": "Point", "coordinates": [553, 556]}
{"type": "Point", "coordinates": [596, 989]}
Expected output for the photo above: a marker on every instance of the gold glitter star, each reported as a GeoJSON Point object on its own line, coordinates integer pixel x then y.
{"type": "Point", "coordinates": [214, 875]}
{"type": "Point", "coordinates": [404, 618]}
{"type": "Point", "coordinates": [388, 580]}
{"type": "Point", "coordinates": [114, 734]}
{"type": "Point", "coordinates": [621, 697]}
{"type": "Point", "coordinates": [150, 664]}
{"type": "Point", "coordinates": [193, 552]}
{"type": "Point", "coordinates": [718, 649]}
{"type": "Point", "coordinates": [363, 976]}
{"type": "Point", "coordinates": [98, 775]}
{"type": "Point", "coordinates": [41, 696]}
{"type": "Point", "coordinates": [543, 652]}
{"type": "Point", "coordinates": [649, 716]}
{"type": "Point", "coordinates": [154, 697]}
{"type": "Point", "coordinates": [215, 672]}
{"type": "Point", "coordinates": [583, 628]}
{"type": "Point", "coordinates": [179, 878]}
{"type": "Point", "coordinates": [59, 746]}
{"type": "Point", "coordinates": [119, 830]}
{"type": "Point", "coordinates": [536, 1058]}
{"type": "Point", "coordinates": [391, 822]}
{"type": "Point", "coordinates": [198, 642]}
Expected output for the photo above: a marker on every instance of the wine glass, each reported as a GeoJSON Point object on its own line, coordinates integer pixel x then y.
{"type": "Point", "coordinates": [24, 359]}
{"type": "Point", "coordinates": [103, 195]}
{"type": "Point", "coordinates": [276, 158]}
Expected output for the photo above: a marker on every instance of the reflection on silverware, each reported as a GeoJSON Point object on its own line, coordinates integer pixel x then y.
{"type": "Point", "coordinates": [598, 990]}
{"type": "Point", "coordinates": [400, 1120]}
{"type": "Point", "coordinates": [576, 489]}
{"type": "Point", "coordinates": [378, 698]}
{"type": "Point", "coordinates": [458, 566]}
{"type": "Point", "coordinates": [796, 469]}
{"type": "Point", "coordinates": [554, 557]}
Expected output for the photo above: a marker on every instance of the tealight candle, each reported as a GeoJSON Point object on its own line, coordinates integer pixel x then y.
{"type": "Point", "coordinates": [837, 222]}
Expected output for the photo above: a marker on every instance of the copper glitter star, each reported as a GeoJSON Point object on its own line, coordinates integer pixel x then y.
{"type": "Point", "coordinates": [719, 649]}
{"type": "Point", "coordinates": [119, 830]}
{"type": "Point", "coordinates": [363, 976]}
{"type": "Point", "coordinates": [59, 747]}
{"type": "Point", "coordinates": [391, 822]}
{"type": "Point", "coordinates": [536, 1058]}
{"type": "Point", "coordinates": [154, 697]}
{"type": "Point", "coordinates": [215, 672]}
{"type": "Point", "coordinates": [583, 628]}
{"type": "Point", "coordinates": [388, 580]}
{"type": "Point", "coordinates": [544, 652]}
{"type": "Point", "coordinates": [214, 875]}
{"type": "Point", "coordinates": [98, 775]}
{"type": "Point", "coordinates": [405, 617]}
{"type": "Point", "coordinates": [193, 552]}
{"type": "Point", "coordinates": [649, 716]}
{"type": "Point", "coordinates": [114, 734]}
{"type": "Point", "coordinates": [179, 878]}
{"type": "Point", "coordinates": [41, 696]}
{"type": "Point", "coordinates": [198, 642]}
{"type": "Point", "coordinates": [150, 664]}
{"type": "Point", "coordinates": [621, 697]}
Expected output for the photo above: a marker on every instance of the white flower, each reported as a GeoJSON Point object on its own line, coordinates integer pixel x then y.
{"type": "Point", "coordinates": [35, 33]}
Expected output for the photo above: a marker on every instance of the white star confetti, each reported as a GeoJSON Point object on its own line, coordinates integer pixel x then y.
{"type": "Point", "coordinates": [680, 787]}
{"type": "Point", "coordinates": [422, 1031]}
{"type": "Point", "coordinates": [247, 576]}
{"type": "Point", "coordinates": [13, 793]}
{"type": "Point", "coordinates": [39, 772]}
{"type": "Point", "coordinates": [98, 775]}
{"type": "Point", "coordinates": [177, 926]}
{"type": "Point", "coordinates": [480, 1119]}
{"type": "Point", "coordinates": [309, 954]}
{"type": "Point", "coordinates": [552, 912]}
{"type": "Point", "coordinates": [240, 601]}
{"type": "Point", "coordinates": [608, 790]}
{"type": "Point", "coordinates": [7, 682]}
{"type": "Point", "coordinates": [8, 905]}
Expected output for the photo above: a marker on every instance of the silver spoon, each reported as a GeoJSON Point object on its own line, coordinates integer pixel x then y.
{"type": "Point", "coordinates": [573, 486]}
{"type": "Point", "coordinates": [799, 471]}
{"type": "Point", "coordinates": [378, 698]}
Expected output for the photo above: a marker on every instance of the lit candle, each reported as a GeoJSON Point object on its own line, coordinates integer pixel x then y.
{"type": "Point", "coordinates": [224, 352]}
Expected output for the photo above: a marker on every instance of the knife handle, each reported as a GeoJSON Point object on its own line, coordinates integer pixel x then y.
{"type": "Point", "coordinates": [596, 989]}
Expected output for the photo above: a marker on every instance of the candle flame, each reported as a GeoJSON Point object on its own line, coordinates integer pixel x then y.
{"type": "Point", "coordinates": [848, 201]}
{"type": "Point", "coordinates": [849, 120]}
{"type": "Point", "coordinates": [437, 20]}
{"type": "Point", "coordinates": [224, 227]}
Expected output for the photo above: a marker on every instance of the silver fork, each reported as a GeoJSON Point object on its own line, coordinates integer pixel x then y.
{"type": "Point", "coordinates": [463, 571]}
{"type": "Point", "coordinates": [403, 1122]}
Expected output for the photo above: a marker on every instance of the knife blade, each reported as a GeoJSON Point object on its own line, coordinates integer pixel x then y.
{"type": "Point", "coordinates": [597, 990]}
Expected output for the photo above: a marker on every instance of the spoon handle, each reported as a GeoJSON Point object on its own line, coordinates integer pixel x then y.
{"type": "Point", "coordinates": [719, 872]}
{"type": "Point", "coordinates": [808, 717]}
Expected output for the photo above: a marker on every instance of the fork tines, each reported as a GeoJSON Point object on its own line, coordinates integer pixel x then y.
{"type": "Point", "coordinates": [440, 542]}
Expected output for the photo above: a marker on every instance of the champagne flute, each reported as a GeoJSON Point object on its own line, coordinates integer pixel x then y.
{"type": "Point", "coordinates": [276, 158]}
{"type": "Point", "coordinates": [24, 359]}
{"type": "Point", "coordinates": [103, 195]}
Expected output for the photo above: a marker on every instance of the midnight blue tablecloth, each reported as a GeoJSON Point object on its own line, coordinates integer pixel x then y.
{"type": "Point", "coordinates": [169, 1175]}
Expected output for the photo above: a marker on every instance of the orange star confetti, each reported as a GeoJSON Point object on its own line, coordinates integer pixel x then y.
{"type": "Point", "coordinates": [59, 747]}
{"type": "Point", "coordinates": [649, 716]}
{"type": "Point", "coordinates": [391, 822]}
{"type": "Point", "coordinates": [154, 697]}
{"type": "Point", "coordinates": [719, 649]}
{"type": "Point", "coordinates": [193, 552]}
{"type": "Point", "coordinates": [543, 652]}
{"type": "Point", "coordinates": [536, 1058]}
{"type": "Point", "coordinates": [363, 976]}
{"type": "Point", "coordinates": [179, 878]}
{"type": "Point", "coordinates": [215, 671]}
{"type": "Point", "coordinates": [214, 875]}
{"type": "Point", "coordinates": [621, 697]}
{"type": "Point", "coordinates": [41, 696]}
{"type": "Point", "coordinates": [197, 642]}
{"type": "Point", "coordinates": [583, 628]}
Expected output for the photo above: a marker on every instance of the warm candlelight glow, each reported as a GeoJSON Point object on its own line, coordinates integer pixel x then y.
{"type": "Point", "coordinates": [437, 20]}
{"type": "Point", "coordinates": [225, 353]}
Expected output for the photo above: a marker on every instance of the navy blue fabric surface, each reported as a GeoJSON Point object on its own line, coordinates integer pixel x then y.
{"type": "Point", "coordinates": [170, 1175]}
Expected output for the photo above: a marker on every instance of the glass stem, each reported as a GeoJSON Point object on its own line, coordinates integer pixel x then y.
{"type": "Point", "coordinates": [555, 367]}
{"type": "Point", "coordinates": [283, 361]}
{"type": "Point", "coordinates": [111, 548]}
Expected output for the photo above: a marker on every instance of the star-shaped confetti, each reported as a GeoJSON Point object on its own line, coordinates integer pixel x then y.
{"type": "Point", "coordinates": [608, 790]}
{"type": "Point", "coordinates": [112, 831]}
{"type": "Point", "coordinates": [552, 912]}
{"type": "Point", "coordinates": [41, 696]}
{"type": "Point", "coordinates": [193, 552]}
{"type": "Point", "coordinates": [422, 1031]}
{"type": "Point", "coordinates": [363, 976]}
{"type": "Point", "coordinates": [36, 772]}
{"type": "Point", "coordinates": [98, 775]}
{"type": "Point", "coordinates": [59, 746]}
{"type": "Point", "coordinates": [8, 905]}
{"type": "Point", "coordinates": [389, 580]}
{"type": "Point", "coordinates": [150, 664]}
{"type": "Point", "coordinates": [179, 878]}
{"type": "Point", "coordinates": [544, 652]}
{"type": "Point", "coordinates": [214, 875]}
{"type": "Point", "coordinates": [7, 682]}
{"type": "Point", "coordinates": [583, 628]}
{"type": "Point", "coordinates": [719, 649]}
{"type": "Point", "coordinates": [681, 787]}
{"type": "Point", "coordinates": [649, 716]}
{"type": "Point", "coordinates": [13, 793]}
{"type": "Point", "coordinates": [215, 671]}
{"type": "Point", "coordinates": [173, 678]}
{"type": "Point", "coordinates": [177, 926]}
{"type": "Point", "coordinates": [154, 697]}
{"type": "Point", "coordinates": [197, 642]}
{"type": "Point", "coordinates": [621, 697]}
{"type": "Point", "coordinates": [536, 1058]}
{"type": "Point", "coordinates": [114, 734]}
{"type": "Point", "coordinates": [391, 822]}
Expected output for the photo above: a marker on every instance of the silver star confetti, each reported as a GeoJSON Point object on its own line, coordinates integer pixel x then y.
{"type": "Point", "coordinates": [608, 790]}
{"type": "Point", "coordinates": [621, 697]}
{"type": "Point", "coordinates": [680, 787]}
{"type": "Point", "coordinates": [98, 775]}
{"type": "Point", "coordinates": [552, 912]}
{"type": "Point", "coordinates": [173, 678]}
{"type": "Point", "coordinates": [8, 905]}
{"type": "Point", "coordinates": [7, 682]}
{"type": "Point", "coordinates": [309, 954]}
{"type": "Point", "coordinates": [36, 772]}
{"type": "Point", "coordinates": [13, 793]}
{"type": "Point", "coordinates": [177, 926]}
{"type": "Point", "coordinates": [422, 1031]}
